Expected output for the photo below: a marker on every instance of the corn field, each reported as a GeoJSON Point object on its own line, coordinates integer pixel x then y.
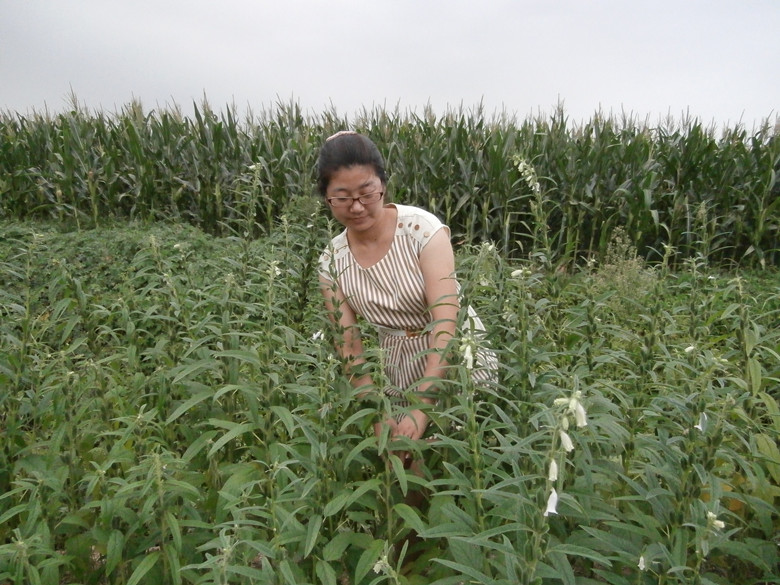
{"type": "Point", "coordinates": [171, 410]}
{"type": "Point", "coordinates": [523, 185]}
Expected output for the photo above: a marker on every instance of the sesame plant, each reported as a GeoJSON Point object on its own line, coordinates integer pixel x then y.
{"type": "Point", "coordinates": [172, 411]}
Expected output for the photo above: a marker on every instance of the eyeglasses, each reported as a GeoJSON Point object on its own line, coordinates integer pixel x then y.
{"type": "Point", "coordinates": [366, 199]}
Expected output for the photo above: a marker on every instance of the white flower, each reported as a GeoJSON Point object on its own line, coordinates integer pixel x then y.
{"type": "Point", "coordinates": [520, 273]}
{"type": "Point", "coordinates": [702, 422]}
{"type": "Point", "coordinates": [690, 348]}
{"type": "Point", "coordinates": [529, 175]}
{"type": "Point", "coordinates": [574, 407]}
{"type": "Point", "coordinates": [467, 349]}
{"type": "Point", "coordinates": [580, 416]}
{"type": "Point", "coordinates": [317, 336]}
{"type": "Point", "coordinates": [381, 566]}
{"type": "Point", "coordinates": [552, 502]}
{"type": "Point", "coordinates": [641, 564]}
{"type": "Point", "coordinates": [553, 475]}
{"type": "Point", "coordinates": [566, 442]}
{"type": "Point", "coordinates": [712, 520]}
{"type": "Point", "coordinates": [468, 358]}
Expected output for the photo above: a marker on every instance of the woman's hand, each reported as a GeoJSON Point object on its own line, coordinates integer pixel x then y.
{"type": "Point", "coordinates": [412, 426]}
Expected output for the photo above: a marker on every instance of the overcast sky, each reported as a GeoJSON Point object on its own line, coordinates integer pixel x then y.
{"type": "Point", "coordinates": [717, 60]}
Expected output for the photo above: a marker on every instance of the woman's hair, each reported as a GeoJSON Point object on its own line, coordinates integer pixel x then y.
{"type": "Point", "coordinates": [347, 149]}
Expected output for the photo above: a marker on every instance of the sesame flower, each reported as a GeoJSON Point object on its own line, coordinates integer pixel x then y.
{"type": "Point", "coordinates": [552, 503]}
{"type": "Point", "coordinates": [714, 523]}
{"type": "Point", "coordinates": [553, 474]}
{"type": "Point", "coordinates": [520, 273]}
{"type": "Point", "coordinates": [529, 175]}
{"type": "Point", "coordinates": [467, 349]}
{"type": "Point", "coordinates": [566, 441]}
{"type": "Point", "coordinates": [382, 565]}
{"type": "Point", "coordinates": [702, 422]}
{"type": "Point", "coordinates": [574, 407]}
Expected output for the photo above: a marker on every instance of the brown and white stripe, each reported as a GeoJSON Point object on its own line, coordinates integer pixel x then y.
{"type": "Point", "coordinates": [391, 295]}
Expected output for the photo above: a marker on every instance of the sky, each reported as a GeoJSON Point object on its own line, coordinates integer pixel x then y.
{"type": "Point", "coordinates": [713, 60]}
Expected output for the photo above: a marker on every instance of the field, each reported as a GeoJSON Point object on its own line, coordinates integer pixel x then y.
{"type": "Point", "coordinates": [171, 410]}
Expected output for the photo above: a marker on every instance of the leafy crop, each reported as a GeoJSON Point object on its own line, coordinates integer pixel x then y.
{"type": "Point", "coordinates": [677, 184]}
{"type": "Point", "coordinates": [170, 414]}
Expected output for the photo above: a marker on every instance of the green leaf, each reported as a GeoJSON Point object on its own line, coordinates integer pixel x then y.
{"type": "Point", "coordinates": [185, 406]}
{"type": "Point", "coordinates": [325, 573]}
{"type": "Point", "coordinates": [249, 357]}
{"type": "Point", "coordinates": [562, 567]}
{"type": "Point", "coordinates": [368, 559]}
{"type": "Point", "coordinates": [255, 575]}
{"type": "Point", "coordinates": [174, 529]}
{"type": "Point", "coordinates": [768, 448]}
{"type": "Point", "coordinates": [287, 573]}
{"type": "Point", "coordinates": [285, 416]}
{"type": "Point", "coordinates": [334, 550]}
{"type": "Point", "coordinates": [772, 409]}
{"type": "Point", "coordinates": [199, 443]}
{"type": "Point", "coordinates": [754, 373]}
{"type": "Point", "coordinates": [410, 516]}
{"type": "Point", "coordinates": [193, 369]}
{"type": "Point", "coordinates": [580, 551]}
{"type": "Point", "coordinates": [114, 548]}
{"type": "Point", "coordinates": [312, 532]}
{"type": "Point", "coordinates": [336, 504]}
{"type": "Point", "coordinates": [174, 563]}
{"type": "Point", "coordinates": [445, 530]}
{"type": "Point", "coordinates": [364, 487]}
{"type": "Point", "coordinates": [238, 429]}
{"type": "Point", "coordinates": [359, 448]}
{"type": "Point", "coordinates": [400, 472]}
{"type": "Point", "coordinates": [478, 576]}
{"type": "Point", "coordinates": [143, 568]}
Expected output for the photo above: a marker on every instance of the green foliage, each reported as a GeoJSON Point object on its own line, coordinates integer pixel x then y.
{"type": "Point", "coordinates": [676, 186]}
{"type": "Point", "coordinates": [170, 415]}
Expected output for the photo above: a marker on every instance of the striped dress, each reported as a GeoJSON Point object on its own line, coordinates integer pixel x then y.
{"type": "Point", "coordinates": [391, 296]}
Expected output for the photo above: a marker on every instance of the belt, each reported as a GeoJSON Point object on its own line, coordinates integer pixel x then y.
{"type": "Point", "coordinates": [410, 333]}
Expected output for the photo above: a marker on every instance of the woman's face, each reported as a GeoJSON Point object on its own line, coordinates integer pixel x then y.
{"type": "Point", "coordinates": [352, 183]}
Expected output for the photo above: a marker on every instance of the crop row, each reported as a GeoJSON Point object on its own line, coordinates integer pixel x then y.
{"type": "Point", "coordinates": [517, 183]}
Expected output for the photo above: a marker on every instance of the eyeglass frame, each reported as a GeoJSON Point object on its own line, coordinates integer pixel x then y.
{"type": "Point", "coordinates": [353, 199]}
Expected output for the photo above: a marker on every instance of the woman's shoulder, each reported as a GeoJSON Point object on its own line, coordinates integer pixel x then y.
{"type": "Point", "coordinates": [418, 223]}
{"type": "Point", "coordinates": [411, 213]}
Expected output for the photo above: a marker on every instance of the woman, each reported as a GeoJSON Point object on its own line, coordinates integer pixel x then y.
{"type": "Point", "coordinates": [393, 265]}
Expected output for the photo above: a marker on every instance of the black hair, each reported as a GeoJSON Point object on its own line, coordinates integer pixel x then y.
{"type": "Point", "coordinates": [347, 149]}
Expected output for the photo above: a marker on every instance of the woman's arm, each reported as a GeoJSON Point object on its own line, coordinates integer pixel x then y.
{"type": "Point", "coordinates": [347, 341]}
{"type": "Point", "coordinates": [437, 262]}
